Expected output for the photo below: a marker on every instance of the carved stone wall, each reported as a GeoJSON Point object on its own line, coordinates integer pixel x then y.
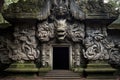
{"type": "Point", "coordinates": [38, 26]}
{"type": "Point", "coordinates": [45, 31]}
{"type": "Point", "coordinates": [4, 51]}
{"type": "Point", "coordinates": [97, 45]}
{"type": "Point", "coordinates": [25, 43]}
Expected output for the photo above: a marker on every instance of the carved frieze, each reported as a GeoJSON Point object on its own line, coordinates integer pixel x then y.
{"type": "Point", "coordinates": [60, 30]}
{"type": "Point", "coordinates": [95, 5]}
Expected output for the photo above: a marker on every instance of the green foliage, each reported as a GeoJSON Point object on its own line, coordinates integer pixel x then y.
{"type": "Point", "coordinates": [115, 3]}
{"type": "Point", "coordinates": [3, 22]}
{"type": "Point", "coordinates": [1, 19]}
{"type": "Point", "coordinates": [8, 2]}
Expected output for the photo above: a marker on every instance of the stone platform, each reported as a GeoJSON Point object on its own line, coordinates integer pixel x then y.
{"type": "Point", "coordinates": [54, 75]}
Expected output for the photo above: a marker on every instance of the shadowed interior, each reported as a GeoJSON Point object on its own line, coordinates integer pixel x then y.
{"type": "Point", "coordinates": [60, 58]}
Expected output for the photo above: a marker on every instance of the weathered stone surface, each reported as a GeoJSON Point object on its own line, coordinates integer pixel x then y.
{"type": "Point", "coordinates": [28, 10]}
{"type": "Point", "coordinates": [62, 23]}
{"type": "Point", "coordinates": [43, 9]}
{"type": "Point", "coordinates": [26, 45]}
{"type": "Point", "coordinates": [76, 31]}
{"type": "Point", "coordinates": [4, 51]}
{"type": "Point", "coordinates": [97, 46]}
{"type": "Point", "coordinates": [45, 31]}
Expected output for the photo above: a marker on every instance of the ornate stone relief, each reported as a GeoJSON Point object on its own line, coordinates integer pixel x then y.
{"type": "Point", "coordinates": [115, 56]}
{"type": "Point", "coordinates": [97, 46]}
{"type": "Point", "coordinates": [45, 58]}
{"type": "Point", "coordinates": [58, 20]}
{"type": "Point", "coordinates": [95, 5]}
{"type": "Point", "coordinates": [76, 32]}
{"type": "Point", "coordinates": [45, 31]}
{"type": "Point", "coordinates": [4, 51]}
{"type": "Point", "coordinates": [61, 29]}
{"type": "Point", "coordinates": [60, 8]}
{"type": "Point", "coordinates": [23, 6]}
{"type": "Point", "coordinates": [76, 52]}
{"type": "Point", "coordinates": [26, 45]}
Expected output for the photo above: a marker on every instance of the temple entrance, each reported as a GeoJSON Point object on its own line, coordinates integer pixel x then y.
{"type": "Point", "coordinates": [60, 57]}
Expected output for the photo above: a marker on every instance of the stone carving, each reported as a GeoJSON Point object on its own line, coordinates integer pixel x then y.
{"type": "Point", "coordinates": [60, 7]}
{"type": "Point", "coordinates": [97, 47]}
{"type": "Point", "coordinates": [63, 8]}
{"type": "Point", "coordinates": [76, 52]}
{"type": "Point", "coordinates": [95, 6]}
{"type": "Point", "coordinates": [26, 46]}
{"type": "Point", "coordinates": [76, 32]}
{"type": "Point", "coordinates": [46, 55]}
{"type": "Point", "coordinates": [115, 56]}
{"type": "Point", "coordinates": [98, 6]}
{"type": "Point", "coordinates": [45, 8]}
{"type": "Point", "coordinates": [61, 20]}
{"type": "Point", "coordinates": [76, 11]}
{"type": "Point", "coordinates": [23, 6]}
{"type": "Point", "coordinates": [4, 51]}
{"type": "Point", "coordinates": [29, 9]}
{"type": "Point", "coordinates": [61, 27]}
{"type": "Point", "coordinates": [45, 31]}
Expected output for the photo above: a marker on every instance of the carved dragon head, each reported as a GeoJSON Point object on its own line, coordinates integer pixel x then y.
{"type": "Point", "coordinates": [61, 27]}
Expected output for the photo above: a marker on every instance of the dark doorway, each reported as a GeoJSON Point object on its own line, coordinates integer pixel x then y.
{"type": "Point", "coordinates": [60, 57]}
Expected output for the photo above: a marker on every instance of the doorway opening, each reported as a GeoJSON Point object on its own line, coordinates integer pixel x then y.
{"type": "Point", "coordinates": [61, 58]}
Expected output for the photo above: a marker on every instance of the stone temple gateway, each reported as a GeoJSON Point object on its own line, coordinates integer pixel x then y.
{"type": "Point", "coordinates": [58, 34]}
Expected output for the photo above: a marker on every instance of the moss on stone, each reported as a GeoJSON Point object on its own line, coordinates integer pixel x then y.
{"type": "Point", "coordinates": [44, 69]}
{"type": "Point", "coordinates": [3, 22]}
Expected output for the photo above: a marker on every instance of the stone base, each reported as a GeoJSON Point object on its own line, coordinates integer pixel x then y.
{"type": "Point", "coordinates": [100, 71]}
{"type": "Point", "coordinates": [96, 71]}
{"type": "Point", "coordinates": [24, 69]}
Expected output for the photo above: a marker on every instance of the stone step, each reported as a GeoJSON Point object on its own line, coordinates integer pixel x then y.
{"type": "Point", "coordinates": [62, 79]}
{"type": "Point", "coordinates": [61, 75]}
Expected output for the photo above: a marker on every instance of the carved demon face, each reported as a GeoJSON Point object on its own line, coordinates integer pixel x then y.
{"type": "Point", "coordinates": [61, 27]}
{"type": "Point", "coordinates": [45, 31]}
{"type": "Point", "coordinates": [42, 34]}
